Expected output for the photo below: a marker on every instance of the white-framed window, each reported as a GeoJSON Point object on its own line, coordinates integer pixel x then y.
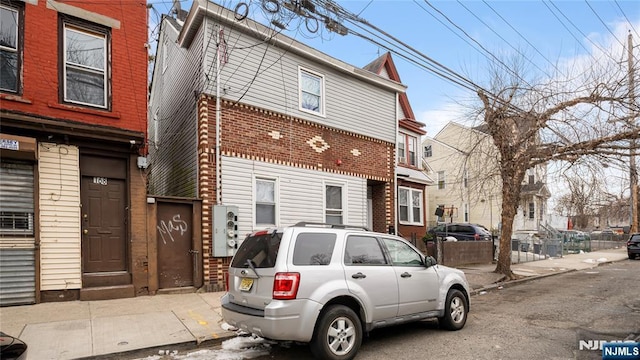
{"type": "Point", "coordinates": [266, 202]}
{"type": "Point", "coordinates": [412, 150]}
{"type": "Point", "coordinates": [402, 158]}
{"type": "Point", "coordinates": [428, 151]}
{"type": "Point", "coordinates": [466, 212]}
{"type": "Point", "coordinates": [465, 178]}
{"type": "Point", "coordinates": [532, 210]}
{"type": "Point", "coordinates": [10, 59]}
{"type": "Point", "coordinates": [156, 127]}
{"type": "Point", "coordinates": [311, 92]}
{"type": "Point", "coordinates": [85, 73]}
{"type": "Point", "coordinates": [410, 207]}
{"type": "Point", "coordinates": [441, 182]}
{"type": "Point", "coordinates": [334, 203]}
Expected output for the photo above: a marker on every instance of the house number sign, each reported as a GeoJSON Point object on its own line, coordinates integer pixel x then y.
{"type": "Point", "coordinates": [100, 180]}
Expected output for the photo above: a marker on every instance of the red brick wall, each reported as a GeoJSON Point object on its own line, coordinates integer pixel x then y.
{"type": "Point", "coordinates": [245, 132]}
{"type": "Point", "coordinates": [138, 228]}
{"type": "Point", "coordinates": [129, 57]}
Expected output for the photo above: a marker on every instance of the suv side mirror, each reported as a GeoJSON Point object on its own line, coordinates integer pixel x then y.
{"type": "Point", "coordinates": [430, 261]}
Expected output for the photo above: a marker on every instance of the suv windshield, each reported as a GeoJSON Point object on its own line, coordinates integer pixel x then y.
{"type": "Point", "coordinates": [261, 249]}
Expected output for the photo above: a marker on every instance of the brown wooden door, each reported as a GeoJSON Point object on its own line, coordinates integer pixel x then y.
{"type": "Point", "coordinates": [175, 245]}
{"type": "Point", "coordinates": [103, 225]}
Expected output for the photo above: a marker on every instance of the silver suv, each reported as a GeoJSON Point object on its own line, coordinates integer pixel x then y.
{"type": "Point", "coordinates": [327, 285]}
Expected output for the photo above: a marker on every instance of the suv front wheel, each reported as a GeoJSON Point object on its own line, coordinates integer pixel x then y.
{"type": "Point", "coordinates": [455, 311]}
{"type": "Point", "coordinates": [338, 335]}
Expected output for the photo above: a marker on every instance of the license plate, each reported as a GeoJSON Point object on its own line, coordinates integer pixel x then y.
{"type": "Point", "coordinates": [246, 284]}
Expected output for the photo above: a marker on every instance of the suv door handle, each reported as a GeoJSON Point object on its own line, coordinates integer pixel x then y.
{"type": "Point", "coordinates": [359, 276]}
{"type": "Point", "coordinates": [405, 275]}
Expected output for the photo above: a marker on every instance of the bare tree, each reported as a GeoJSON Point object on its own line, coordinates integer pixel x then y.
{"type": "Point", "coordinates": [587, 194]}
{"type": "Point", "coordinates": [582, 119]}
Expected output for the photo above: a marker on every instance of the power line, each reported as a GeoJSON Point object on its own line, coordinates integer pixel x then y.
{"type": "Point", "coordinates": [625, 16]}
{"type": "Point", "coordinates": [603, 23]}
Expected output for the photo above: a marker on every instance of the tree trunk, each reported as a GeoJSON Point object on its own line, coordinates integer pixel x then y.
{"type": "Point", "coordinates": [511, 186]}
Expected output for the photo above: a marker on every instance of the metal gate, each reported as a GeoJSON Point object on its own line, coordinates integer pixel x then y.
{"type": "Point", "coordinates": [17, 241]}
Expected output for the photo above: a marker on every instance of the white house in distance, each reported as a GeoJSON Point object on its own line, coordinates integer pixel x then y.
{"type": "Point", "coordinates": [468, 185]}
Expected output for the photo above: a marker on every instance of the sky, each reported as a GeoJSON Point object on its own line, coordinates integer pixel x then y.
{"type": "Point", "coordinates": [465, 36]}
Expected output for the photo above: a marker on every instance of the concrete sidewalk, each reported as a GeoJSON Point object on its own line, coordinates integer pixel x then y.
{"type": "Point", "coordinates": [80, 329]}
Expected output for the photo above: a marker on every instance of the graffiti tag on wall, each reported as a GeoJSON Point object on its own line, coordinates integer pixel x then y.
{"type": "Point", "coordinates": [171, 228]}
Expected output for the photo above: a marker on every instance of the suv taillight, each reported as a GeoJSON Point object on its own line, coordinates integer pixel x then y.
{"type": "Point", "coordinates": [285, 286]}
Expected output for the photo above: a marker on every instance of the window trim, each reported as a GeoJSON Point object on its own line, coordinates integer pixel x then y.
{"type": "Point", "coordinates": [19, 9]}
{"type": "Point", "coordinates": [532, 211]}
{"type": "Point", "coordinates": [343, 194]}
{"type": "Point", "coordinates": [276, 194]}
{"type": "Point", "coordinates": [322, 95]}
{"type": "Point", "coordinates": [411, 220]}
{"type": "Point", "coordinates": [85, 27]}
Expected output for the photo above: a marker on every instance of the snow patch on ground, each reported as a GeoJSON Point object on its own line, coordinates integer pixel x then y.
{"type": "Point", "coordinates": [228, 327]}
{"type": "Point", "coordinates": [595, 261]}
{"type": "Point", "coordinates": [238, 348]}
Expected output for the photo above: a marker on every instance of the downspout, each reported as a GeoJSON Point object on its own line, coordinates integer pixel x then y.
{"type": "Point", "coordinates": [395, 169]}
{"type": "Point", "coordinates": [218, 120]}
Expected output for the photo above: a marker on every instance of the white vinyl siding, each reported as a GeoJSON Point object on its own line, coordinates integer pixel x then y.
{"type": "Point", "coordinates": [300, 193]}
{"type": "Point", "coordinates": [59, 205]}
{"type": "Point", "coordinates": [262, 75]}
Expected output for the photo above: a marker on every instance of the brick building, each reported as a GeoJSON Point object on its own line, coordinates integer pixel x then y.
{"type": "Point", "coordinates": [73, 104]}
{"type": "Point", "coordinates": [266, 131]}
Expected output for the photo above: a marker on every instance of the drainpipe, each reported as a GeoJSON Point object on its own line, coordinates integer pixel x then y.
{"type": "Point", "coordinates": [395, 168]}
{"type": "Point", "coordinates": [218, 120]}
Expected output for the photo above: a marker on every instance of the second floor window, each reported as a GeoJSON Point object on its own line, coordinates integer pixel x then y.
{"type": "Point", "coordinates": [311, 92]}
{"type": "Point", "coordinates": [10, 59]}
{"type": "Point", "coordinates": [532, 211]}
{"type": "Point", "coordinates": [441, 183]}
{"type": "Point", "coordinates": [407, 150]}
{"type": "Point", "coordinates": [85, 78]}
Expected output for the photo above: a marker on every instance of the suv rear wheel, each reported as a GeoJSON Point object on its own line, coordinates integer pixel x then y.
{"type": "Point", "coordinates": [338, 335]}
{"type": "Point", "coordinates": [455, 311]}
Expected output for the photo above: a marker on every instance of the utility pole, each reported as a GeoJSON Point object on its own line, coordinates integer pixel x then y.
{"type": "Point", "coordinates": [633, 175]}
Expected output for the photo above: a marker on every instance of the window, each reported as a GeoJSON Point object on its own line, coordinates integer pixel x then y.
{"type": "Point", "coordinates": [466, 212]}
{"type": "Point", "coordinates": [334, 211]}
{"type": "Point", "coordinates": [441, 216]}
{"type": "Point", "coordinates": [402, 254]}
{"type": "Point", "coordinates": [532, 210]}
{"type": "Point", "coordinates": [311, 92]}
{"type": "Point", "coordinates": [16, 199]}
{"type": "Point", "coordinates": [428, 151]}
{"type": "Point", "coordinates": [10, 47]}
{"type": "Point", "coordinates": [531, 179]}
{"type": "Point", "coordinates": [313, 249]}
{"type": "Point", "coordinates": [85, 55]}
{"type": "Point", "coordinates": [441, 184]}
{"type": "Point", "coordinates": [363, 250]}
{"type": "Point", "coordinates": [410, 206]}
{"type": "Point", "coordinates": [261, 249]}
{"type": "Point", "coordinates": [411, 149]}
{"type": "Point", "coordinates": [165, 56]}
{"type": "Point", "coordinates": [265, 202]}
{"type": "Point", "coordinates": [401, 150]}
{"type": "Point", "coordinates": [465, 178]}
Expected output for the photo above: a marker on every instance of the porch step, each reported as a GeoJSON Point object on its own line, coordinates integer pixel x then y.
{"type": "Point", "coordinates": [178, 290]}
{"type": "Point", "coordinates": [107, 292]}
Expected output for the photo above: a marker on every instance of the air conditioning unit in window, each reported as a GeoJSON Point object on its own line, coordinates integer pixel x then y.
{"type": "Point", "coordinates": [402, 160]}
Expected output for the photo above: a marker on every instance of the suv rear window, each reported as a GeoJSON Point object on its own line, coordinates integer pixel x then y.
{"type": "Point", "coordinates": [261, 249]}
{"type": "Point", "coordinates": [313, 249]}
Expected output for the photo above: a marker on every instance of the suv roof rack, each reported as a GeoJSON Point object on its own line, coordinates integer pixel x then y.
{"type": "Point", "coordinates": [332, 226]}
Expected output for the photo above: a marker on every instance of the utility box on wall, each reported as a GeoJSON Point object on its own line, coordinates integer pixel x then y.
{"type": "Point", "coordinates": [225, 230]}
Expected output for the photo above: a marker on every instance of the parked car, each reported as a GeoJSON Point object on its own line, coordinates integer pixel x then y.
{"type": "Point", "coordinates": [327, 285]}
{"type": "Point", "coordinates": [633, 246]}
{"type": "Point", "coordinates": [461, 231]}
{"type": "Point", "coordinates": [12, 348]}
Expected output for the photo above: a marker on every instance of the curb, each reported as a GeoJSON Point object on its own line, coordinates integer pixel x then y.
{"type": "Point", "coordinates": [510, 283]}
